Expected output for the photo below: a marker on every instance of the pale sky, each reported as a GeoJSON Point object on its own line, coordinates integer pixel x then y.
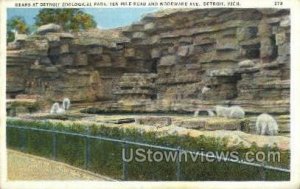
{"type": "Point", "coordinates": [106, 18]}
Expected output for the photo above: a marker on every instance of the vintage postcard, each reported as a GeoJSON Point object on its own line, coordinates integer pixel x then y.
{"type": "Point", "coordinates": [143, 94]}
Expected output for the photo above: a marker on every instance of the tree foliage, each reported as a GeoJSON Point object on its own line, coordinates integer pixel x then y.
{"type": "Point", "coordinates": [68, 19]}
{"type": "Point", "coordinates": [17, 24]}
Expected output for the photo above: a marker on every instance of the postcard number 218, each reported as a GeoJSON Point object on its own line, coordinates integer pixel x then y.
{"type": "Point", "coordinates": [278, 3]}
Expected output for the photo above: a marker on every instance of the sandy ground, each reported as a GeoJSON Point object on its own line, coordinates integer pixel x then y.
{"type": "Point", "coordinates": [23, 166]}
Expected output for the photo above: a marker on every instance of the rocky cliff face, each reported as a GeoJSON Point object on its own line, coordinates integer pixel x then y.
{"type": "Point", "coordinates": [174, 60]}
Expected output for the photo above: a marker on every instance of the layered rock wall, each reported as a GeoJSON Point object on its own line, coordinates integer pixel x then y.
{"type": "Point", "coordinates": [173, 60]}
{"type": "Point", "coordinates": [222, 56]}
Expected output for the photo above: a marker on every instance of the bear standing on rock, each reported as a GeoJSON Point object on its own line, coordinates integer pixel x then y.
{"type": "Point", "coordinates": [56, 109]}
{"type": "Point", "coordinates": [66, 103]}
{"type": "Point", "coordinates": [235, 112]}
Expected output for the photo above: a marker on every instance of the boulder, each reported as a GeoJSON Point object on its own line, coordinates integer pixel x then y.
{"type": "Point", "coordinates": [183, 51]}
{"type": "Point", "coordinates": [246, 33]}
{"type": "Point", "coordinates": [139, 35]}
{"type": "Point", "coordinates": [95, 50]}
{"type": "Point", "coordinates": [66, 36]}
{"type": "Point", "coordinates": [285, 22]}
{"type": "Point", "coordinates": [20, 37]}
{"type": "Point", "coordinates": [155, 53]}
{"type": "Point", "coordinates": [13, 46]}
{"type": "Point", "coordinates": [281, 38]}
{"type": "Point", "coordinates": [64, 48]}
{"type": "Point", "coordinates": [246, 63]}
{"type": "Point", "coordinates": [264, 29]}
{"type": "Point", "coordinates": [226, 44]}
{"type": "Point", "coordinates": [159, 121]}
{"type": "Point", "coordinates": [48, 28]}
{"type": "Point", "coordinates": [284, 49]}
{"type": "Point", "coordinates": [190, 124]}
{"type": "Point", "coordinates": [129, 52]}
{"type": "Point", "coordinates": [180, 131]}
{"type": "Point", "coordinates": [66, 59]}
{"type": "Point", "coordinates": [221, 72]}
{"type": "Point", "coordinates": [267, 49]}
{"type": "Point", "coordinates": [51, 69]}
{"type": "Point", "coordinates": [223, 124]}
{"type": "Point", "coordinates": [150, 27]}
{"type": "Point", "coordinates": [45, 61]}
{"type": "Point", "coordinates": [168, 60]}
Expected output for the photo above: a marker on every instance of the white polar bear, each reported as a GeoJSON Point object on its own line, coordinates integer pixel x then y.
{"type": "Point", "coordinates": [266, 125]}
{"type": "Point", "coordinates": [56, 109]}
{"type": "Point", "coordinates": [66, 103]}
{"type": "Point", "coordinates": [235, 112]}
{"type": "Point", "coordinates": [223, 111]}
